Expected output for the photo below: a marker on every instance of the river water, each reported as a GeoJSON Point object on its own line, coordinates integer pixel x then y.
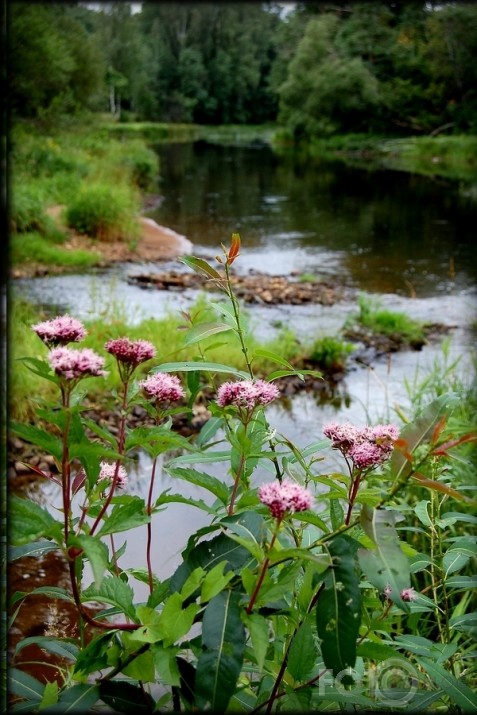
{"type": "Point", "coordinates": [408, 240]}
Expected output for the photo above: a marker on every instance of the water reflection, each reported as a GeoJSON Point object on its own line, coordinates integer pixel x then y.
{"type": "Point", "coordinates": [388, 231]}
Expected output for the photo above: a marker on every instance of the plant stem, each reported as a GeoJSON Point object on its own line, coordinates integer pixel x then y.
{"type": "Point", "coordinates": [263, 570]}
{"type": "Point", "coordinates": [236, 309]}
{"type": "Point", "coordinates": [149, 526]}
{"type": "Point", "coordinates": [121, 440]}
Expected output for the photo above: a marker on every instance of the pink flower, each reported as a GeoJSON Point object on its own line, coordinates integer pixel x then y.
{"type": "Point", "coordinates": [247, 393]}
{"type": "Point", "coordinates": [366, 455]}
{"type": "Point", "coordinates": [407, 594]}
{"type": "Point", "coordinates": [73, 364]}
{"type": "Point", "coordinates": [285, 497]}
{"type": "Point", "coordinates": [60, 331]}
{"type": "Point", "coordinates": [366, 447]}
{"type": "Point", "coordinates": [108, 470]}
{"type": "Point", "coordinates": [162, 386]}
{"type": "Point", "coordinates": [132, 352]}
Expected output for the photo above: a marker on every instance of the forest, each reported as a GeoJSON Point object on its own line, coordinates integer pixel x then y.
{"type": "Point", "coordinates": [315, 68]}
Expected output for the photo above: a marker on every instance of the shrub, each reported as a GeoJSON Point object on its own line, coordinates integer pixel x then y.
{"type": "Point", "coordinates": [104, 211]}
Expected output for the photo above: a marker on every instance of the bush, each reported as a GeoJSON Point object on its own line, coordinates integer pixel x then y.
{"type": "Point", "coordinates": [104, 212]}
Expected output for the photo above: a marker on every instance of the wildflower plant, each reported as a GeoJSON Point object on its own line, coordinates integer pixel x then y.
{"type": "Point", "coordinates": [306, 590]}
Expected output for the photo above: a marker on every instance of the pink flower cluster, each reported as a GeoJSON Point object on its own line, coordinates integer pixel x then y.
{"type": "Point", "coordinates": [247, 393]}
{"type": "Point", "coordinates": [132, 352]}
{"type": "Point", "coordinates": [367, 446]}
{"type": "Point", "coordinates": [73, 364]}
{"type": "Point", "coordinates": [108, 470]}
{"type": "Point", "coordinates": [162, 386]}
{"type": "Point", "coordinates": [283, 497]}
{"type": "Point", "coordinates": [60, 331]}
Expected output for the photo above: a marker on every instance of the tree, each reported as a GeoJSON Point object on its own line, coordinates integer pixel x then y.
{"type": "Point", "coordinates": [326, 91]}
{"type": "Point", "coordinates": [53, 63]}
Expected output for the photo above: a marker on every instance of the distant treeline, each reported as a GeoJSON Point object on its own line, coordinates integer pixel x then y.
{"type": "Point", "coordinates": [321, 68]}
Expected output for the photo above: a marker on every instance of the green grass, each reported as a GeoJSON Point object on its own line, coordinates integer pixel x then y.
{"type": "Point", "coordinates": [34, 248]}
{"type": "Point", "coordinates": [330, 353]}
{"type": "Point", "coordinates": [386, 322]}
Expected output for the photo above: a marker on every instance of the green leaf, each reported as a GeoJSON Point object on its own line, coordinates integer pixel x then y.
{"type": "Point", "coordinates": [115, 592]}
{"type": "Point", "coordinates": [151, 630]}
{"type": "Point", "coordinates": [176, 621]}
{"type": "Point", "coordinates": [418, 432]}
{"type": "Point", "coordinates": [50, 695]}
{"type": "Point", "coordinates": [93, 656]}
{"type": "Point", "coordinates": [204, 330]}
{"type": "Point", "coordinates": [142, 668]}
{"type": "Point", "coordinates": [37, 548]}
{"type": "Point", "coordinates": [376, 651]}
{"type": "Point", "coordinates": [24, 685]}
{"type": "Point", "coordinates": [467, 623]}
{"type": "Point", "coordinates": [303, 653]}
{"type": "Point", "coordinates": [199, 458]}
{"type": "Point", "coordinates": [220, 663]}
{"type": "Point", "coordinates": [201, 267]}
{"type": "Point", "coordinates": [125, 697]}
{"type": "Point", "coordinates": [64, 648]}
{"type": "Point", "coordinates": [207, 554]}
{"type": "Point", "coordinates": [336, 513]}
{"type": "Point", "coordinates": [208, 431]}
{"type": "Point", "coordinates": [166, 664]}
{"type": "Point", "coordinates": [386, 565]}
{"type": "Point", "coordinates": [50, 444]}
{"type": "Point", "coordinates": [125, 516]}
{"type": "Point", "coordinates": [49, 591]}
{"type": "Point", "coordinates": [259, 633]}
{"type": "Point", "coordinates": [29, 521]}
{"type": "Point", "coordinates": [97, 553]}
{"type": "Point", "coordinates": [215, 581]}
{"type": "Point", "coordinates": [201, 479]}
{"type": "Point", "coordinates": [467, 582]}
{"type": "Point", "coordinates": [284, 373]}
{"type": "Point", "coordinates": [166, 498]}
{"type": "Point", "coordinates": [201, 366]}
{"type": "Point", "coordinates": [421, 512]}
{"type": "Point", "coordinates": [455, 559]}
{"type": "Point", "coordinates": [193, 583]}
{"type": "Point", "coordinates": [458, 692]}
{"type": "Point", "coordinates": [77, 699]}
{"type": "Point", "coordinates": [338, 608]}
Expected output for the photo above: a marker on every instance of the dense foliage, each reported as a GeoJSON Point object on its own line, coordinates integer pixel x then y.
{"type": "Point", "coordinates": [318, 69]}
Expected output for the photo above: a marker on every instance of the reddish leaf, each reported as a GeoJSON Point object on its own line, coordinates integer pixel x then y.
{"type": "Point", "coordinates": [46, 475]}
{"type": "Point", "coordinates": [78, 481]}
{"type": "Point", "coordinates": [438, 487]}
{"type": "Point", "coordinates": [438, 429]}
{"type": "Point", "coordinates": [442, 448]}
{"type": "Point", "coordinates": [234, 249]}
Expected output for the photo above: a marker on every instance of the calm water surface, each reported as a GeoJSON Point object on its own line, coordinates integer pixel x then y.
{"type": "Point", "coordinates": [385, 231]}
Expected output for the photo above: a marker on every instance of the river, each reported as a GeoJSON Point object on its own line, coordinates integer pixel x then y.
{"type": "Point", "coordinates": [406, 239]}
